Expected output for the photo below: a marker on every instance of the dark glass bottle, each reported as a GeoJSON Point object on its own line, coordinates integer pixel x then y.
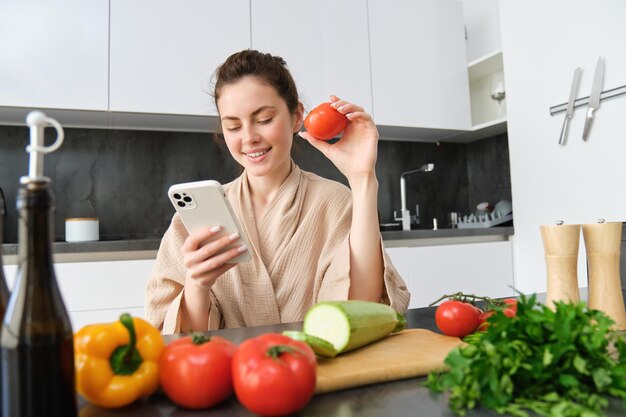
{"type": "Point", "coordinates": [37, 348]}
{"type": "Point", "coordinates": [4, 290]}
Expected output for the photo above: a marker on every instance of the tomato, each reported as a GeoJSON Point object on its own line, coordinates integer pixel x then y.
{"type": "Point", "coordinates": [324, 122]}
{"type": "Point", "coordinates": [274, 375]}
{"type": "Point", "coordinates": [456, 318]}
{"type": "Point", "coordinates": [482, 320]}
{"type": "Point", "coordinates": [511, 307]}
{"type": "Point", "coordinates": [196, 370]}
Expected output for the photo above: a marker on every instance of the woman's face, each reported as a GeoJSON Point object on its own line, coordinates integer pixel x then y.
{"type": "Point", "coordinates": [258, 126]}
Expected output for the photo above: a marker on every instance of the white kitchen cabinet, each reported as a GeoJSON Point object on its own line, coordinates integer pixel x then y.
{"type": "Point", "coordinates": [163, 52]}
{"type": "Point", "coordinates": [54, 54]}
{"type": "Point", "coordinates": [325, 44]}
{"type": "Point", "coordinates": [419, 64]}
{"type": "Point", "coordinates": [482, 28]}
{"type": "Point", "coordinates": [475, 268]}
{"type": "Point", "coordinates": [98, 292]}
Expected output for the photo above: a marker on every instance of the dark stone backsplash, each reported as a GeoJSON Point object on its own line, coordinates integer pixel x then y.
{"type": "Point", "coordinates": [122, 177]}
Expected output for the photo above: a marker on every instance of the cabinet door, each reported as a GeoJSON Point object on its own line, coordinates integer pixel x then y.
{"type": "Point", "coordinates": [474, 268]}
{"type": "Point", "coordinates": [419, 66]}
{"type": "Point", "coordinates": [54, 54]}
{"type": "Point", "coordinates": [482, 23]}
{"type": "Point", "coordinates": [164, 52]}
{"type": "Point", "coordinates": [324, 42]}
{"type": "Point", "coordinates": [98, 292]}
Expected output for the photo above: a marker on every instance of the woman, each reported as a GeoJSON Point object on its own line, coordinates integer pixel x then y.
{"type": "Point", "coordinates": [311, 239]}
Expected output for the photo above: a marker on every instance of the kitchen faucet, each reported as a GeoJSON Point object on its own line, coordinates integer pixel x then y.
{"type": "Point", "coordinates": [405, 214]}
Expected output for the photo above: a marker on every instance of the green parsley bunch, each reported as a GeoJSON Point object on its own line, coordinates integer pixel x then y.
{"type": "Point", "coordinates": [559, 363]}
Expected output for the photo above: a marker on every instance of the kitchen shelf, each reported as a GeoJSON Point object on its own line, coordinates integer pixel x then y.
{"type": "Point", "coordinates": [485, 66]}
{"type": "Point", "coordinates": [486, 74]}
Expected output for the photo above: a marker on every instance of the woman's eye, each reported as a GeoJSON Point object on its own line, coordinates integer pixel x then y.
{"type": "Point", "coordinates": [233, 128]}
{"type": "Point", "coordinates": [265, 121]}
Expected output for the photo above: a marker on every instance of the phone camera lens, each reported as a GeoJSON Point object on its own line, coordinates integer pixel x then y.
{"type": "Point", "coordinates": [181, 204]}
{"type": "Point", "coordinates": [187, 199]}
{"type": "Point", "coordinates": [176, 196]}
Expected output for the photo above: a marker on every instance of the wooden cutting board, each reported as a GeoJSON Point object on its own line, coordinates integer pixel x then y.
{"type": "Point", "coordinates": [410, 353]}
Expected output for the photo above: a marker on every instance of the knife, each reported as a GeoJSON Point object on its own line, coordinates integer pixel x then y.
{"type": "Point", "coordinates": [594, 97]}
{"type": "Point", "coordinates": [569, 113]}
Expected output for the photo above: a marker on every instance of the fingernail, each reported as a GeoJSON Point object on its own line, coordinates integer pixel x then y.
{"type": "Point", "coordinates": [242, 248]}
{"type": "Point", "coordinates": [341, 108]}
{"type": "Point", "coordinates": [216, 228]}
{"type": "Point", "coordinates": [234, 236]}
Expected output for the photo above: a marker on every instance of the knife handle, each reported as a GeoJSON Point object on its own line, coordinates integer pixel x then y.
{"type": "Point", "coordinates": [588, 123]}
{"type": "Point", "coordinates": [564, 130]}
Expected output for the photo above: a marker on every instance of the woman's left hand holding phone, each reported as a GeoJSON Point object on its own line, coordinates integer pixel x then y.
{"type": "Point", "coordinates": [204, 264]}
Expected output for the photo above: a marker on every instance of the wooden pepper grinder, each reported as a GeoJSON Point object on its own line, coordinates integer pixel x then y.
{"type": "Point", "coordinates": [603, 241]}
{"type": "Point", "coordinates": [560, 245]}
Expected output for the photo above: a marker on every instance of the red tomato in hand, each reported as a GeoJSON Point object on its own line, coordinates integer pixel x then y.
{"type": "Point", "coordinates": [274, 375]}
{"type": "Point", "coordinates": [324, 122]}
{"type": "Point", "coordinates": [456, 318]}
{"type": "Point", "coordinates": [195, 371]}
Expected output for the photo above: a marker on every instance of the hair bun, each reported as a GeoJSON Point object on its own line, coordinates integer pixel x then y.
{"type": "Point", "coordinates": [279, 60]}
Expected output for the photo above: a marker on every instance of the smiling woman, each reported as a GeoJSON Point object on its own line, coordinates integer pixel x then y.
{"type": "Point", "coordinates": [311, 239]}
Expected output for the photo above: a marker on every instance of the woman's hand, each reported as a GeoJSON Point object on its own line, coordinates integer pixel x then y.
{"type": "Point", "coordinates": [201, 259]}
{"type": "Point", "coordinates": [355, 154]}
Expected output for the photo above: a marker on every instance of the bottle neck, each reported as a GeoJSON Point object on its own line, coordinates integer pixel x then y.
{"type": "Point", "coordinates": [35, 227]}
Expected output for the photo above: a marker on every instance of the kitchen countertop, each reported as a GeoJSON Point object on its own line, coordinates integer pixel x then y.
{"type": "Point", "coordinates": [147, 248]}
{"type": "Point", "coordinates": [399, 398]}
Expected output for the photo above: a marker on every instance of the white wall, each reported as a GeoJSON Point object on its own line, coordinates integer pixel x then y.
{"type": "Point", "coordinates": [543, 42]}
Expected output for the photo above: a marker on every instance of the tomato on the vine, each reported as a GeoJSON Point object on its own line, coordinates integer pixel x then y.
{"type": "Point", "coordinates": [457, 318]}
{"type": "Point", "coordinates": [509, 309]}
{"type": "Point", "coordinates": [511, 306]}
{"type": "Point", "coordinates": [324, 122]}
{"type": "Point", "coordinates": [195, 370]}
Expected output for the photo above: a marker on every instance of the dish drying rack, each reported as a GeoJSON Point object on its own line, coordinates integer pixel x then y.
{"type": "Point", "coordinates": [472, 221]}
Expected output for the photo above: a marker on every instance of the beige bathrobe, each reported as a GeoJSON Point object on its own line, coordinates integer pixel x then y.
{"type": "Point", "coordinates": [300, 255]}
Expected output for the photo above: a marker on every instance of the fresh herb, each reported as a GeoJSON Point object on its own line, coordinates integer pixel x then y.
{"type": "Point", "coordinates": [559, 363]}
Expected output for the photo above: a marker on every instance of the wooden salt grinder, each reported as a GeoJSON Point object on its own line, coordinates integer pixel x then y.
{"type": "Point", "coordinates": [603, 241]}
{"type": "Point", "coordinates": [560, 245]}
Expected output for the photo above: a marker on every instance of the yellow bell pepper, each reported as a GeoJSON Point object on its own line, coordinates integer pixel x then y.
{"type": "Point", "coordinates": [117, 363]}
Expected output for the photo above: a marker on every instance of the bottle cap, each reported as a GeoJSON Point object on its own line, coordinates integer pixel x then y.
{"type": "Point", "coordinates": [37, 122]}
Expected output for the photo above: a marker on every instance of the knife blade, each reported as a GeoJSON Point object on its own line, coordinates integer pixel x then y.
{"type": "Point", "coordinates": [569, 113]}
{"type": "Point", "coordinates": [594, 97]}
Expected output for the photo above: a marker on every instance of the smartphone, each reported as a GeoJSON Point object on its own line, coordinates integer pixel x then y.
{"type": "Point", "coordinates": [203, 204]}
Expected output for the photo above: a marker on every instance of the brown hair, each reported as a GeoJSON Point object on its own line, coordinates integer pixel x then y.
{"type": "Point", "coordinates": [266, 68]}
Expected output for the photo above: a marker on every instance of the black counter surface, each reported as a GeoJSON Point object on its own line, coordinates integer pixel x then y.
{"type": "Point", "coordinates": [152, 244]}
{"type": "Point", "coordinates": [391, 399]}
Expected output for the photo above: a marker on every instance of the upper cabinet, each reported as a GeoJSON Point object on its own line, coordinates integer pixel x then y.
{"type": "Point", "coordinates": [482, 27]}
{"type": "Point", "coordinates": [486, 75]}
{"type": "Point", "coordinates": [148, 64]}
{"type": "Point", "coordinates": [54, 54]}
{"type": "Point", "coordinates": [164, 52]}
{"type": "Point", "coordinates": [324, 42]}
{"type": "Point", "coordinates": [419, 64]}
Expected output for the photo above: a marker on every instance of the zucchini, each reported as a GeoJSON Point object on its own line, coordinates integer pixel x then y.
{"type": "Point", "coordinates": [348, 325]}
{"type": "Point", "coordinates": [320, 346]}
